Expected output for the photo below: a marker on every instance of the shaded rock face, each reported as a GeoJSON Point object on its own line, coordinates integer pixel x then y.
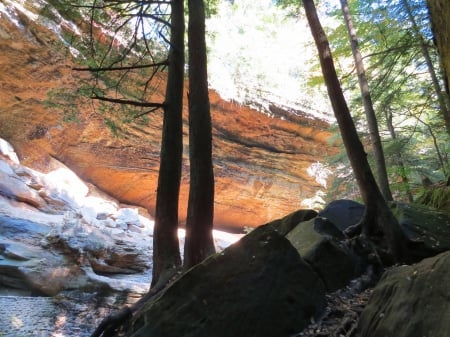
{"type": "Point", "coordinates": [260, 161]}
{"type": "Point", "coordinates": [410, 301]}
{"type": "Point", "coordinates": [257, 287]}
{"type": "Point", "coordinates": [427, 229]}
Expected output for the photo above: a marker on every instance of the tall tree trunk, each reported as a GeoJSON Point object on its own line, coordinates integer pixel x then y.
{"type": "Point", "coordinates": [378, 221]}
{"type": "Point", "coordinates": [371, 118]}
{"type": "Point", "coordinates": [199, 240]}
{"type": "Point", "coordinates": [442, 96]}
{"type": "Point", "coordinates": [401, 163]}
{"type": "Point", "coordinates": [166, 248]}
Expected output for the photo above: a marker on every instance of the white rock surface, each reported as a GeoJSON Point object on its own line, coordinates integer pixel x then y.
{"type": "Point", "coordinates": [58, 232]}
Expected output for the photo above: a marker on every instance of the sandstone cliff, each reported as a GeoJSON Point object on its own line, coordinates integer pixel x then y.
{"type": "Point", "coordinates": [260, 161]}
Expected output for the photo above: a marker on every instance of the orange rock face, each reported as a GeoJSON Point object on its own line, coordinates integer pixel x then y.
{"type": "Point", "coordinates": [260, 162]}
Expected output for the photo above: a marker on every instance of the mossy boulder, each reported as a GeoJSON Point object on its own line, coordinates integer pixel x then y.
{"type": "Point", "coordinates": [410, 301]}
{"type": "Point", "coordinates": [284, 225]}
{"type": "Point", "coordinates": [259, 286]}
{"type": "Point", "coordinates": [334, 263]}
{"type": "Point", "coordinates": [427, 229]}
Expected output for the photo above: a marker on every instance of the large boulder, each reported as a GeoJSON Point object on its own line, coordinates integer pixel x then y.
{"type": "Point", "coordinates": [343, 213]}
{"type": "Point", "coordinates": [329, 257]}
{"type": "Point", "coordinates": [427, 229]}
{"type": "Point", "coordinates": [259, 286]}
{"type": "Point", "coordinates": [26, 265]}
{"type": "Point", "coordinates": [410, 301]}
{"type": "Point", "coordinates": [46, 259]}
{"type": "Point", "coordinates": [284, 225]}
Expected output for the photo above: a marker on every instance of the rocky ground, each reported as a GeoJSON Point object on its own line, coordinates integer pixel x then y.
{"type": "Point", "coordinates": [78, 314]}
{"type": "Point", "coordinates": [342, 313]}
{"type": "Point", "coordinates": [70, 314]}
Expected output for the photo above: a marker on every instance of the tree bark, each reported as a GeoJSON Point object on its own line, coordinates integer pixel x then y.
{"type": "Point", "coordinates": [378, 222]}
{"type": "Point", "coordinates": [166, 249]}
{"type": "Point", "coordinates": [442, 96]}
{"type": "Point", "coordinates": [199, 224]}
{"type": "Point", "coordinates": [400, 162]}
{"type": "Point", "coordinates": [380, 163]}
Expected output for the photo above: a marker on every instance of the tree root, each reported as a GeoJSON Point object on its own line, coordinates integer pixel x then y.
{"type": "Point", "coordinates": [111, 323]}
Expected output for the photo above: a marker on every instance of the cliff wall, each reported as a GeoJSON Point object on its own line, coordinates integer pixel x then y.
{"type": "Point", "coordinates": [261, 161]}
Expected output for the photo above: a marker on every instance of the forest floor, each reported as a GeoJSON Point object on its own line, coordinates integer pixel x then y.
{"type": "Point", "coordinates": [341, 316]}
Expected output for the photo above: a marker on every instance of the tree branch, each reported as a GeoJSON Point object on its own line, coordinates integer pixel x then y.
{"type": "Point", "coordinates": [153, 65]}
{"type": "Point", "coordinates": [129, 102]}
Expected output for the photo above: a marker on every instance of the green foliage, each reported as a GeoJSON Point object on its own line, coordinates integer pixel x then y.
{"type": "Point", "coordinates": [412, 129]}
{"type": "Point", "coordinates": [211, 7]}
{"type": "Point", "coordinates": [112, 125]}
{"type": "Point", "coordinates": [435, 196]}
{"type": "Point", "coordinates": [64, 8]}
{"type": "Point", "coordinates": [119, 48]}
{"type": "Point", "coordinates": [61, 99]}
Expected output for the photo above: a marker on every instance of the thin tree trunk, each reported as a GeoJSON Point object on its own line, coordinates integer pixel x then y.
{"type": "Point", "coordinates": [400, 161]}
{"type": "Point", "coordinates": [372, 122]}
{"type": "Point", "coordinates": [166, 249]}
{"type": "Point", "coordinates": [442, 96]}
{"type": "Point", "coordinates": [378, 219]}
{"type": "Point", "coordinates": [199, 240]}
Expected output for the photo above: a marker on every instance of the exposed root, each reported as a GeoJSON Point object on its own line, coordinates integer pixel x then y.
{"type": "Point", "coordinates": [111, 323]}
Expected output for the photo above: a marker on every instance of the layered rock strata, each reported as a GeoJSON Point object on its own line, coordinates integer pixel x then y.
{"type": "Point", "coordinates": [261, 160]}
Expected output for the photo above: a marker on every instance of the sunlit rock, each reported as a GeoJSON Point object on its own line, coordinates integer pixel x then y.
{"type": "Point", "coordinates": [11, 186]}
{"type": "Point", "coordinates": [261, 161]}
{"type": "Point", "coordinates": [76, 240]}
{"type": "Point", "coordinates": [7, 150]}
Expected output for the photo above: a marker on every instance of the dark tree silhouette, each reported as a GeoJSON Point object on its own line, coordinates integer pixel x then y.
{"type": "Point", "coordinates": [199, 241]}
{"type": "Point", "coordinates": [166, 250]}
{"type": "Point", "coordinates": [137, 55]}
{"type": "Point", "coordinates": [378, 224]}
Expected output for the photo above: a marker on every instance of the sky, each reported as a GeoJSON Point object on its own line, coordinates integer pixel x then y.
{"type": "Point", "coordinates": [256, 51]}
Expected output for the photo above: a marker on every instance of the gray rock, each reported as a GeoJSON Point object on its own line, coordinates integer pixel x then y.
{"type": "Point", "coordinates": [410, 301]}
{"type": "Point", "coordinates": [11, 186]}
{"type": "Point", "coordinates": [335, 264]}
{"type": "Point", "coordinates": [343, 213]}
{"type": "Point", "coordinates": [49, 259]}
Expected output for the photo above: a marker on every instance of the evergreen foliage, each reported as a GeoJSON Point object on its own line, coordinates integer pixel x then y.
{"type": "Point", "coordinates": [415, 141]}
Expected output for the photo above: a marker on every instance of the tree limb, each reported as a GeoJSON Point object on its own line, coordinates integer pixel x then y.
{"type": "Point", "coordinates": [98, 69]}
{"type": "Point", "coordinates": [129, 102]}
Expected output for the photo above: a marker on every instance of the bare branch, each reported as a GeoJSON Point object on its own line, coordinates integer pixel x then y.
{"type": "Point", "coordinates": [145, 113]}
{"type": "Point", "coordinates": [129, 102]}
{"type": "Point", "coordinates": [142, 66]}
